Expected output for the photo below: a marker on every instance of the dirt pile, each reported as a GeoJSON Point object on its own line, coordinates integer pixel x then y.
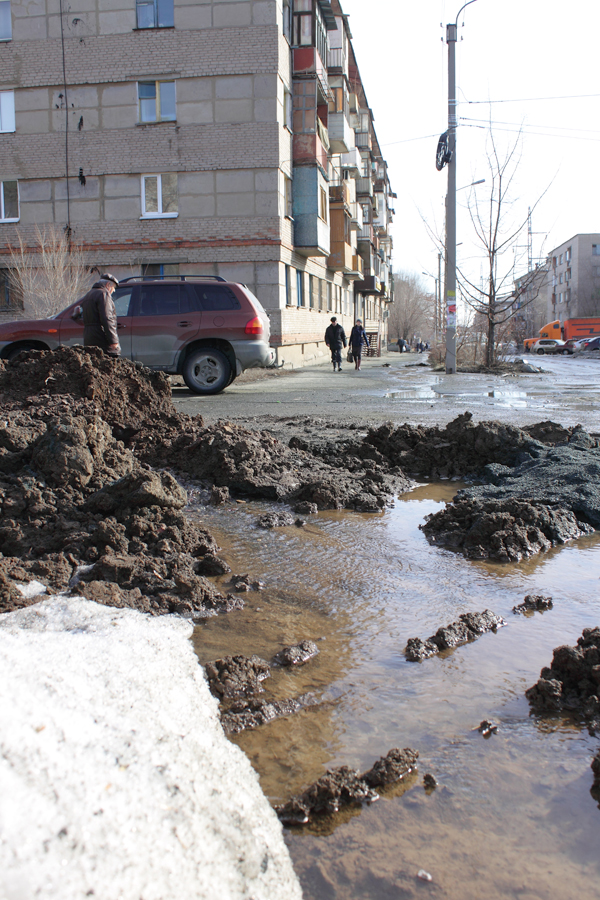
{"type": "Point", "coordinates": [297, 655]}
{"type": "Point", "coordinates": [256, 464]}
{"type": "Point", "coordinates": [467, 628]}
{"type": "Point", "coordinates": [533, 603]}
{"type": "Point", "coordinates": [505, 530]}
{"type": "Point", "coordinates": [245, 714]}
{"type": "Point", "coordinates": [77, 505]}
{"type": "Point", "coordinates": [237, 676]}
{"type": "Point", "coordinates": [572, 682]}
{"type": "Point", "coordinates": [345, 787]}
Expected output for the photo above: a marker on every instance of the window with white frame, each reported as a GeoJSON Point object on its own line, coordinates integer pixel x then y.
{"type": "Point", "coordinates": [159, 196]}
{"type": "Point", "coordinates": [595, 249]}
{"type": "Point", "coordinates": [157, 101]}
{"type": "Point", "coordinates": [287, 109]}
{"type": "Point", "coordinates": [9, 201]}
{"type": "Point", "coordinates": [5, 21]}
{"type": "Point", "coordinates": [7, 110]}
{"type": "Point", "coordinates": [323, 204]}
{"type": "Point", "coordinates": [287, 20]}
{"type": "Point", "coordinates": [155, 13]}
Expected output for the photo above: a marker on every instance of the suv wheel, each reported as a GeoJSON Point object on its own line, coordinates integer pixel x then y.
{"type": "Point", "coordinates": [540, 352]}
{"type": "Point", "coordinates": [206, 371]}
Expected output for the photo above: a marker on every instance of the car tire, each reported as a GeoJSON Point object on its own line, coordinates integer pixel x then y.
{"type": "Point", "coordinates": [565, 352]}
{"type": "Point", "coordinates": [22, 348]}
{"type": "Point", "coordinates": [206, 371]}
{"type": "Point", "coordinates": [540, 352]}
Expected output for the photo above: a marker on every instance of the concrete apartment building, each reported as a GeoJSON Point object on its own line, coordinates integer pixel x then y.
{"type": "Point", "coordinates": [224, 137]}
{"type": "Point", "coordinates": [574, 283]}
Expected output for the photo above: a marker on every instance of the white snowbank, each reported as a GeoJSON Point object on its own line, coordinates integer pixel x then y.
{"type": "Point", "coordinates": [116, 780]}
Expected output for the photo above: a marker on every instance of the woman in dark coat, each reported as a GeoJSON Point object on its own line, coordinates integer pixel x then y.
{"type": "Point", "coordinates": [357, 337]}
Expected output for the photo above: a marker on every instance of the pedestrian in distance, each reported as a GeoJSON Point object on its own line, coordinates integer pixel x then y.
{"type": "Point", "coordinates": [100, 316]}
{"type": "Point", "coordinates": [335, 338]}
{"type": "Point", "coordinates": [358, 336]}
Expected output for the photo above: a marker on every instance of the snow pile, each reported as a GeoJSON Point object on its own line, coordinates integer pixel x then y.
{"type": "Point", "coordinates": [115, 777]}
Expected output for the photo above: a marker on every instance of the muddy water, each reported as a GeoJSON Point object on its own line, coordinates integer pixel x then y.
{"type": "Point", "coordinates": [512, 815]}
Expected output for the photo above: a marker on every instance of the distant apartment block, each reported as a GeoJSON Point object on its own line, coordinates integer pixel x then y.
{"type": "Point", "coordinates": [223, 137]}
{"type": "Point", "coordinates": [574, 279]}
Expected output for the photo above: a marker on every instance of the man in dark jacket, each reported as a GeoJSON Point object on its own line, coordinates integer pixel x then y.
{"type": "Point", "coordinates": [335, 338]}
{"type": "Point", "coordinates": [100, 316]}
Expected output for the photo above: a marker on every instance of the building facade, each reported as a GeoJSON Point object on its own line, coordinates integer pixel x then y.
{"type": "Point", "coordinates": [222, 137]}
{"type": "Point", "coordinates": [574, 279]}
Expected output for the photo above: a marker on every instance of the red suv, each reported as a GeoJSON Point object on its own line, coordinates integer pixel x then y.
{"type": "Point", "coordinates": [204, 328]}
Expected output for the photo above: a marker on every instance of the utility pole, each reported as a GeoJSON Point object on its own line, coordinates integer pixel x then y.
{"type": "Point", "coordinates": [451, 38]}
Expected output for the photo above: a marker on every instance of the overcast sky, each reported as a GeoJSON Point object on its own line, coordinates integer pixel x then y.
{"type": "Point", "coordinates": [522, 51]}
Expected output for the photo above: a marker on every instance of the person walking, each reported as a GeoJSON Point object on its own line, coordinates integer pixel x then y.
{"type": "Point", "coordinates": [358, 336]}
{"type": "Point", "coordinates": [100, 316]}
{"type": "Point", "coordinates": [335, 338]}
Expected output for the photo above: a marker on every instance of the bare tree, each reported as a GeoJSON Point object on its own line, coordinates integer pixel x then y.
{"type": "Point", "coordinates": [497, 300]}
{"type": "Point", "coordinates": [50, 275]}
{"type": "Point", "coordinates": [412, 311]}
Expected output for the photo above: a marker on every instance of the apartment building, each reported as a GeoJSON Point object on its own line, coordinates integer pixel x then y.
{"type": "Point", "coordinates": [223, 137]}
{"type": "Point", "coordinates": [574, 279]}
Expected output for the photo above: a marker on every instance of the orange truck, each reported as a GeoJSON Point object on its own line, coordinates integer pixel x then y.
{"type": "Point", "coordinates": [571, 328]}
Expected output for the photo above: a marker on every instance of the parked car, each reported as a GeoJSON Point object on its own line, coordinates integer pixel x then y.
{"type": "Point", "coordinates": [593, 344]}
{"type": "Point", "coordinates": [548, 345]}
{"type": "Point", "coordinates": [204, 328]}
{"type": "Point", "coordinates": [574, 345]}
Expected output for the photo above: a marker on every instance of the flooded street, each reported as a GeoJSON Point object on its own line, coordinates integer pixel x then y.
{"type": "Point", "coordinates": [512, 815]}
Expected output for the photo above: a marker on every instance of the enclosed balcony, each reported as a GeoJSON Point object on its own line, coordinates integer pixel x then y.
{"type": "Point", "coordinates": [366, 233]}
{"type": "Point", "coordinates": [357, 266]}
{"type": "Point", "coordinates": [356, 213]}
{"type": "Point", "coordinates": [352, 161]}
{"type": "Point", "coordinates": [363, 140]}
{"type": "Point", "coordinates": [341, 133]}
{"type": "Point", "coordinates": [364, 185]}
{"type": "Point", "coordinates": [311, 212]}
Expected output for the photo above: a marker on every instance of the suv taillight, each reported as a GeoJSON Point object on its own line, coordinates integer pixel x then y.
{"type": "Point", "coordinates": [254, 326]}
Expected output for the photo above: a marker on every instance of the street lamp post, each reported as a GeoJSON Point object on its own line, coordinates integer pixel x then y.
{"type": "Point", "coordinates": [435, 302]}
{"type": "Point", "coordinates": [451, 37]}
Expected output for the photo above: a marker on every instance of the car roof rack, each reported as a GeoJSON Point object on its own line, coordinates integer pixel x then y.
{"type": "Point", "coordinates": [172, 278]}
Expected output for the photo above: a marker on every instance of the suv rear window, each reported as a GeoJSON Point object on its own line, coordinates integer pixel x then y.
{"type": "Point", "coordinates": [215, 296]}
{"type": "Point", "coordinates": [162, 300]}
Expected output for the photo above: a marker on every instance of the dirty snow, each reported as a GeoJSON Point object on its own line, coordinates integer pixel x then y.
{"type": "Point", "coordinates": [116, 780]}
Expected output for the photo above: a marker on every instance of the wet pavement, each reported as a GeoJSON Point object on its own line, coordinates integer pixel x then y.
{"type": "Point", "coordinates": [402, 388]}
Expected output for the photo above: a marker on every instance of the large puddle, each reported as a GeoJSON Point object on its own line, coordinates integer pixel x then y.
{"type": "Point", "coordinates": [512, 815]}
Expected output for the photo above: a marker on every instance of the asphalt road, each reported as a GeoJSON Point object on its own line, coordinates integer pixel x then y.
{"type": "Point", "coordinates": [397, 388]}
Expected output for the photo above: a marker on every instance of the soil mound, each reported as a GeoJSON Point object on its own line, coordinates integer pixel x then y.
{"type": "Point", "coordinates": [572, 682]}
{"type": "Point", "coordinates": [506, 530]}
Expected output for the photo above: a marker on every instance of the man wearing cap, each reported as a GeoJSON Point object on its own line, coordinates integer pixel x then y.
{"type": "Point", "coordinates": [335, 338]}
{"type": "Point", "coordinates": [100, 316]}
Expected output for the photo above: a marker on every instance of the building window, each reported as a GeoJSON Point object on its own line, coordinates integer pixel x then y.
{"type": "Point", "coordinates": [5, 21]}
{"type": "Point", "coordinates": [288, 286]}
{"type": "Point", "coordinates": [160, 270]}
{"type": "Point", "coordinates": [9, 201]}
{"type": "Point", "coordinates": [287, 20]}
{"type": "Point", "coordinates": [311, 291]}
{"type": "Point", "coordinates": [323, 204]}
{"type": "Point", "coordinates": [288, 109]}
{"type": "Point", "coordinates": [289, 199]}
{"type": "Point", "coordinates": [595, 249]}
{"type": "Point", "coordinates": [302, 34]}
{"type": "Point", "coordinates": [159, 196]}
{"type": "Point", "coordinates": [155, 13]}
{"type": "Point", "coordinates": [560, 278]}
{"type": "Point", "coordinates": [157, 101]}
{"type": "Point", "coordinates": [7, 110]}
{"type": "Point", "coordinates": [329, 306]}
{"type": "Point", "coordinates": [299, 287]}
{"type": "Point", "coordinates": [568, 255]}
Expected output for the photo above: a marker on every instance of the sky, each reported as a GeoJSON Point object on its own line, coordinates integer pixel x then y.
{"type": "Point", "coordinates": [526, 56]}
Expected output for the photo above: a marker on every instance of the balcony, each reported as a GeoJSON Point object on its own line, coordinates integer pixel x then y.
{"type": "Point", "coordinates": [308, 150]}
{"type": "Point", "coordinates": [341, 134]}
{"type": "Point", "coordinates": [341, 257]}
{"type": "Point", "coordinates": [363, 140]}
{"type": "Point", "coordinates": [369, 285]}
{"type": "Point", "coordinates": [357, 266]}
{"type": "Point", "coordinates": [356, 213]}
{"type": "Point", "coordinates": [340, 193]}
{"type": "Point", "coordinates": [364, 185]}
{"type": "Point", "coordinates": [306, 61]}
{"type": "Point", "coordinates": [311, 232]}
{"type": "Point", "coordinates": [366, 233]}
{"type": "Point", "coordinates": [352, 161]}
{"type": "Point", "coordinates": [337, 61]}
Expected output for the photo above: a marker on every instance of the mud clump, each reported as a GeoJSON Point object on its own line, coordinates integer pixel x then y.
{"type": "Point", "coordinates": [506, 530]}
{"type": "Point", "coordinates": [533, 603]}
{"type": "Point", "coordinates": [296, 655]}
{"type": "Point", "coordinates": [345, 787]}
{"type": "Point", "coordinates": [277, 520]}
{"type": "Point", "coordinates": [246, 714]}
{"type": "Point", "coordinates": [467, 628]}
{"type": "Point", "coordinates": [237, 676]}
{"type": "Point", "coordinates": [572, 682]}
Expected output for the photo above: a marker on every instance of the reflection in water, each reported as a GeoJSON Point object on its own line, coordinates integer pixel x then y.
{"type": "Point", "coordinates": [512, 815]}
